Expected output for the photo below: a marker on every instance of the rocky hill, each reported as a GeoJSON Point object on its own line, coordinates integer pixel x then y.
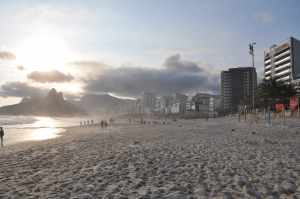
{"type": "Point", "coordinates": [51, 105]}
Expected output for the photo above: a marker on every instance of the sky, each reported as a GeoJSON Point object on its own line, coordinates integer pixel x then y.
{"type": "Point", "coordinates": [130, 46]}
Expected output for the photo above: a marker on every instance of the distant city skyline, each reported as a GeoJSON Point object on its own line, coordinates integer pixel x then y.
{"type": "Point", "coordinates": [126, 47]}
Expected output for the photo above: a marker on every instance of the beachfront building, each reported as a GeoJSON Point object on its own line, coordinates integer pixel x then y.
{"type": "Point", "coordinates": [175, 108]}
{"type": "Point", "coordinates": [206, 104]}
{"type": "Point", "coordinates": [148, 102]}
{"type": "Point", "coordinates": [282, 62]}
{"type": "Point", "coordinates": [190, 106]}
{"type": "Point", "coordinates": [237, 88]}
{"type": "Point", "coordinates": [167, 102]}
{"type": "Point", "coordinates": [202, 102]}
{"type": "Point", "coordinates": [180, 102]}
{"type": "Point", "coordinates": [214, 105]}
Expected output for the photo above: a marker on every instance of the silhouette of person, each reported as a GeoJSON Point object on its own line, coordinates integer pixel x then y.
{"type": "Point", "coordinates": [1, 135]}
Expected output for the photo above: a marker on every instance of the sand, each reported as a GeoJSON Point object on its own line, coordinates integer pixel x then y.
{"type": "Point", "coordinates": [220, 158]}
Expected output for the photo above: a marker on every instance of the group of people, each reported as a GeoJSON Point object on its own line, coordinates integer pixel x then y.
{"type": "Point", "coordinates": [91, 123]}
{"type": "Point", "coordinates": [87, 123]}
{"type": "Point", "coordinates": [103, 124]}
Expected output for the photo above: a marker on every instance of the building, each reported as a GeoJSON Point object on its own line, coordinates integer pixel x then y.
{"type": "Point", "coordinates": [180, 100]}
{"type": "Point", "coordinates": [206, 104]}
{"type": "Point", "coordinates": [282, 62]}
{"type": "Point", "coordinates": [214, 105]}
{"type": "Point", "coordinates": [238, 85]}
{"type": "Point", "coordinates": [190, 106]}
{"type": "Point", "coordinates": [148, 102]}
{"type": "Point", "coordinates": [202, 101]}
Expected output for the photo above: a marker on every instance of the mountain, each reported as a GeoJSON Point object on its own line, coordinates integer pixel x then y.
{"type": "Point", "coordinates": [104, 103]}
{"type": "Point", "coordinates": [51, 105]}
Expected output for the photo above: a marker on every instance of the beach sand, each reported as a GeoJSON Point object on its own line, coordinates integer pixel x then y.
{"type": "Point", "coordinates": [219, 158]}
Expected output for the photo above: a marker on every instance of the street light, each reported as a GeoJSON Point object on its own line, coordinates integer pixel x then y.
{"type": "Point", "coordinates": [251, 52]}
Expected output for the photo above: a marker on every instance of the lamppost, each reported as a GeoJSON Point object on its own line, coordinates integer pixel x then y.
{"type": "Point", "coordinates": [251, 52]}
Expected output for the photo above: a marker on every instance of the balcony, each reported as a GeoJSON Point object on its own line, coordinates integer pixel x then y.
{"type": "Point", "coordinates": [282, 60]}
{"type": "Point", "coordinates": [268, 62]}
{"type": "Point", "coordinates": [282, 50]}
{"type": "Point", "coordinates": [268, 72]}
{"type": "Point", "coordinates": [268, 67]}
{"type": "Point", "coordinates": [283, 54]}
{"type": "Point", "coordinates": [285, 78]}
{"type": "Point", "coordinates": [287, 65]}
{"type": "Point", "coordinates": [287, 71]}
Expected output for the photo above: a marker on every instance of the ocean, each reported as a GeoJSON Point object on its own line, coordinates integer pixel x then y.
{"type": "Point", "coordinates": [26, 128]}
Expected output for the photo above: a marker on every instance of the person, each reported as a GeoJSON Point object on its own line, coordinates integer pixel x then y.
{"type": "Point", "coordinates": [1, 135]}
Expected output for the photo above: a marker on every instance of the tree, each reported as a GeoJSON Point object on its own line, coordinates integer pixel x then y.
{"type": "Point", "coordinates": [271, 92]}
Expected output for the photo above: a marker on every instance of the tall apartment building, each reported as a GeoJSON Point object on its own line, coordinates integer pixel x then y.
{"type": "Point", "coordinates": [148, 102]}
{"type": "Point", "coordinates": [282, 62]}
{"type": "Point", "coordinates": [237, 87]}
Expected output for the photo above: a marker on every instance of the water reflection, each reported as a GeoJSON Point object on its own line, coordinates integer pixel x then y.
{"type": "Point", "coordinates": [44, 133]}
{"type": "Point", "coordinates": [42, 128]}
{"type": "Point", "coordinates": [46, 128]}
{"type": "Point", "coordinates": [44, 122]}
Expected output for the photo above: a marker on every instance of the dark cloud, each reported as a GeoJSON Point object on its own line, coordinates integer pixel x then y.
{"type": "Point", "coordinates": [50, 77]}
{"type": "Point", "coordinates": [5, 55]}
{"type": "Point", "coordinates": [21, 89]}
{"type": "Point", "coordinates": [176, 76]}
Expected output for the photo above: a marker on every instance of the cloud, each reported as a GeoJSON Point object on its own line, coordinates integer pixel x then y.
{"type": "Point", "coordinates": [176, 64]}
{"type": "Point", "coordinates": [5, 55]}
{"type": "Point", "coordinates": [21, 89]}
{"type": "Point", "coordinates": [87, 67]}
{"type": "Point", "coordinates": [88, 64]}
{"type": "Point", "coordinates": [177, 75]}
{"type": "Point", "coordinates": [50, 77]}
{"type": "Point", "coordinates": [264, 17]}
{"type": "Point", "coordinates": [20, 67]}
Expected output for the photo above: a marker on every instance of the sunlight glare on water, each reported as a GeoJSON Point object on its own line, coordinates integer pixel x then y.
{"type": "Point", "coordinates": [46, 129]}
{"type": "Point", "coordinates": [44, 133]}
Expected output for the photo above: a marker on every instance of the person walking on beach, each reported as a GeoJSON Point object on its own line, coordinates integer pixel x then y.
{"type": "Point", "coordinates": [1, 135]}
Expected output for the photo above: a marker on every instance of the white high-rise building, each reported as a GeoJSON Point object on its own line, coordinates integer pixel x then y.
{"type": "Point", "coordinates": [282, 62]}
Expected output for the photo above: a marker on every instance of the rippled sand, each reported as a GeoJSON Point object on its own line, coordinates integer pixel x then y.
{"type": "Point", "coordinates": [220, 158]}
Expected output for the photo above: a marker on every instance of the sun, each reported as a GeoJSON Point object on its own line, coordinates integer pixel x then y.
{"type": "Point", "coordinates": [43, 51]}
